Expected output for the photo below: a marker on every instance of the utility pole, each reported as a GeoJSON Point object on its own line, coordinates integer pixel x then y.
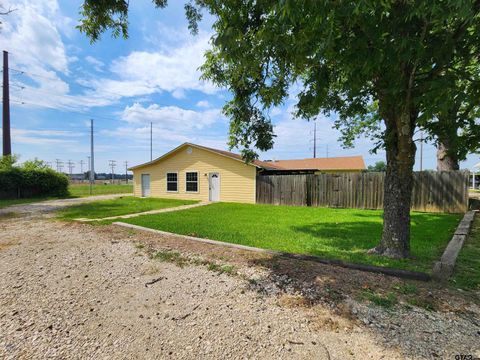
{"type": "Point", "coordinates": [421, 150]}
{"type": "Point", "coordinates": [112, 164]}
{"type": "Point", "coordinates": [314, 139]}
{"type": "Point", "coordinates": [89, 163]}
{"type": "Point", "coordinates": [151, 140]}
{"type": "Point", "coordinates": [92, 163]}
{"type": "Point", "coordinates": [81, 167]}
{"type": "Point", "coordinates": [7, 141]}
{"type": "Point", "coordinates": [59, 164]}
{"type": "Point", "coordinates": [126, 172]}
{"type": "Point", "coordinates": [71, 165]}
{"type": "Point", "coordinates": [327, 150]}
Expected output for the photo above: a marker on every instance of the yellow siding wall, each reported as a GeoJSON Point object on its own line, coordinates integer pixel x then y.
{"type": "Point", "coordinates": [237, 180]}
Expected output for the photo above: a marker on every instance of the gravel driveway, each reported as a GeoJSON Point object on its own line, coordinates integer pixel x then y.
{"type": "Point", "coordinates": [79, 292]}
{"type": "Point", "coordinates": [43, 207]}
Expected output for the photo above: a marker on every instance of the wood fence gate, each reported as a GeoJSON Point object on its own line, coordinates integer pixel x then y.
{"type": "Point", "coordinates": [445, 191]}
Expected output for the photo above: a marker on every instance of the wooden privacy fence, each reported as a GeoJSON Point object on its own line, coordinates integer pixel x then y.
{"type": "Point", "coordinates": [445, 191]}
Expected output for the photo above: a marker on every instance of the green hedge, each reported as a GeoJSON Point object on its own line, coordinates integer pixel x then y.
{"type": "Point", "coordinates": [20, 183]}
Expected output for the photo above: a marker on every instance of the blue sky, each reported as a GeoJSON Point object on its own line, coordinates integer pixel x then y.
{"type": "Point", "coordinates": [59, 81]}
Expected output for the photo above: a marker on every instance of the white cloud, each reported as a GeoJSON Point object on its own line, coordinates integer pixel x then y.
{"type": "Point", "coordinates": [203, 104]}
{"type": "Point", "coordinates": [43, 137]}
{"type": "Point", "coordinates": [97, 64]}
{"type": "Point", "coordinates": [179, 94]}
{"type": "Point", "coordinates": [33, 39]}
{"type": "Point", "coordinates": [171, 117]}
{"type": "Point", "coordinates": [174, 69]}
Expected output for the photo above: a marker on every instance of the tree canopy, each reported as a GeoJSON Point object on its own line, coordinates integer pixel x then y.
{"type": "Point", "coordinates": [346, 56]}
{"type": "Point", "coordinates": [379, 166]}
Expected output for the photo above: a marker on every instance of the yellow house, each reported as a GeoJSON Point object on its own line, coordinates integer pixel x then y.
{"type": "Point", "coordinates": [197, 172]}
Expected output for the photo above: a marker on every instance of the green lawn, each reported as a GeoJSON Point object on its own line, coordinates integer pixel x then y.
{"type": "Point", "coordinates": [120, 206]}
{"type": "Point", "coordinates": [467, 268]}
{"type": "Point", "coordinates": [343, 234]}
{"type": "Point", "coordinates": [82, 190]}
{"type": "Point", "coordinates": [76, 190]}
{"type": "Point", "coordinates": [8, 202]}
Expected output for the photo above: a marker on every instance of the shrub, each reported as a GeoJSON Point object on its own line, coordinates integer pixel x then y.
{"type": "Point", "coordinates": [32, 179]}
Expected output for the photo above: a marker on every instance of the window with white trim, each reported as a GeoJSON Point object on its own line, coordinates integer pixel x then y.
{"type": "Point", "coordinates": [172, 181]}
{"type": "Point", "coordinates": [191, 181]}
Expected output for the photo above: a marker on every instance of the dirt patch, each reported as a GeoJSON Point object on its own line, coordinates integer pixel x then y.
{"type": "Point", "coordinates": [7, 244]}
{"type": "Point", "coordinates": [78, 291]}
{"type": "Point", "coordinates": [73, 290]}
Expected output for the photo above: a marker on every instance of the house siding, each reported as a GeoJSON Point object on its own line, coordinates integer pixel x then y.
{"type": "Point", "coordinates": [237, 179]}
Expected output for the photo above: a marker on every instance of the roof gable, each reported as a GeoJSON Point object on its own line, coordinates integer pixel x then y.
{"type": "Point", "coordinates": [256, 163]}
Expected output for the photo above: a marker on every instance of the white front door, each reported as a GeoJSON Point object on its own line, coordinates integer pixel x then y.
{"type": "Point", "coordinates": [214, 186]}
{"type": "Point", "coordinates": [145, 185]}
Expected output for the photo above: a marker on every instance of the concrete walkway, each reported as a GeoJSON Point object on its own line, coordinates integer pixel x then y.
{"type": "Point", "coordinates": [151, 212]}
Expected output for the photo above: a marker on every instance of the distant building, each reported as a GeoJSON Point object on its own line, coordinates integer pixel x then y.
{"type": "Point", "coordinates": [316, 165]}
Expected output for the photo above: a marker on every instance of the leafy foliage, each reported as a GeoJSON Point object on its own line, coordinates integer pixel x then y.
{"type": "Point", "coordinates": [33, 178]}
{"type": "Point", "coordinates": [379, 166]}
{"type": "Point", "coordinates": [345, 56]}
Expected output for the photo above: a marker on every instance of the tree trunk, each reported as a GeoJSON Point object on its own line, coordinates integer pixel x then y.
{"type": "Point", "coordinates": [400, 150]}
{"type": "Point", "coordinates": [446, 160]}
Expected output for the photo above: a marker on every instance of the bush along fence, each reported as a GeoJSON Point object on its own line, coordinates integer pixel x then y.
{"type": "Point", "coordinates": [21, 183]}
{"type": "Point", "coordinates": [445, 191]}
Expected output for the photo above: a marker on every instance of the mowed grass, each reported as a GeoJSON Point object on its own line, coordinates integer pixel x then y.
{"type": "Point", "coordinates": [9, 202]}
{"type": "Point", "coordinates": [467, 269]}
{"type": "Point", "coordinates": [83, 190]}
{"type": "Point", "coordinates": [74, 191]}
{"type": "Point", "coordinates": [344, 234]}
{"type": "Point", "coordinates": [120, 206]}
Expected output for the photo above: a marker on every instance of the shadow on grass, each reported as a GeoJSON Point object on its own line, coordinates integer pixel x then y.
{"type": "Point", "coordinates": [350, 241]}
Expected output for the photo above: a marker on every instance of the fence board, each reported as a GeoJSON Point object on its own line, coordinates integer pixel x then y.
{"type": "Point", "coordinates": [445, 191]}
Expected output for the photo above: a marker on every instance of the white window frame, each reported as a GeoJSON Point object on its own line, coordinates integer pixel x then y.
{"type": "Point", "coordinates": [198, 181]}
{"type": "Point", "coordinates": [166, 181]}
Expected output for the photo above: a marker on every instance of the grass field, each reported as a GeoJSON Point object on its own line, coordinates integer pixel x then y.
{"type": "Point", "coordinates": [120, 206]}
{"type": "Point", "coordinates": [344, 234]}
{"type": "Point", "coordinates": [75, 190]}
{"type": "Point", "coordinates": [467, 268]}
{"type": "Point", "coordinates": [82, 190]}
{"type": "Point", "coordinates": [8, 202]}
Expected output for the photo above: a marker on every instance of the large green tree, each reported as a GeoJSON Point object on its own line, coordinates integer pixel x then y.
{"type": "Point", "coordinates": [345, 55]}
{"type": "Point", "coordinates": [454, 126]}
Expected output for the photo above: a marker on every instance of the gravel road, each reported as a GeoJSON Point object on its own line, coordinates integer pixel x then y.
{"type": "Point", "coordinates": [78, 291]}
{"type": "Point", "coordinates": [42, 207]}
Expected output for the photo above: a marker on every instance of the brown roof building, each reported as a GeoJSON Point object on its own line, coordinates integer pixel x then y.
{"type": "Point", "coordinates": [331, 164]}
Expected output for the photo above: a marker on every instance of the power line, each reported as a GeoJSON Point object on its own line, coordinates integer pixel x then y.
{"type": "Point", "coordinates": [71, 166]}
{"type": "Point", "coordinates": [126, 172]}
{"type": "Point", "coordinates": [66, 110]}
{"type": "Point", "coordinates": [112, 164]}
{"type": "Point", "coordinates": [65, 96]}
{"type": "Point", "coordinates": [33, 75]}
{"type": "Point", "coordinates": [59, 165]}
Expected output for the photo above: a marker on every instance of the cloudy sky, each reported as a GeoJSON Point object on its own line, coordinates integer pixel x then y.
{"type": "Point", "coordinates": [59, 81]}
